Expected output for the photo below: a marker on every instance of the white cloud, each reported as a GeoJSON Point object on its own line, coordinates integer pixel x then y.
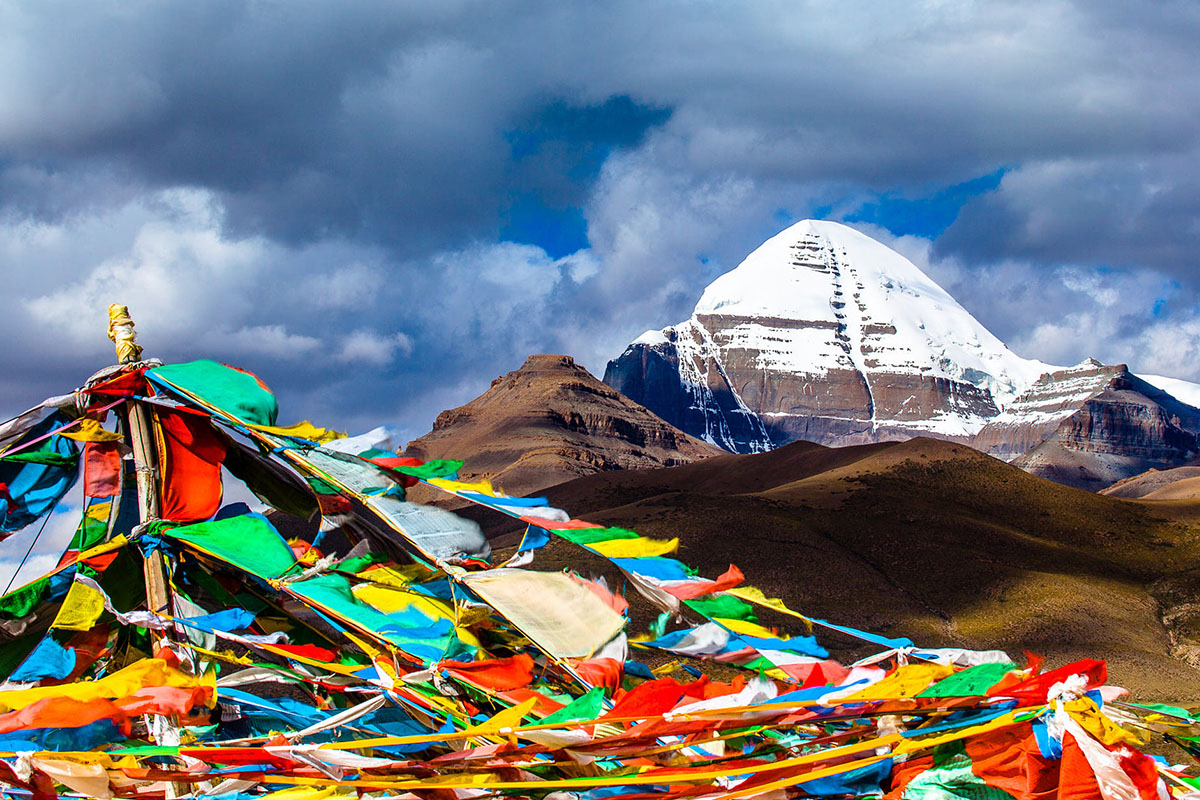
{"type": "Point", "coordinates": [368, 347]}
{"type": "Point", "coordinates": [354, 286]}
{"type": "Point", "coordinates": [261, 340]}
{"type": "Point", "coordinates": [178, 275]}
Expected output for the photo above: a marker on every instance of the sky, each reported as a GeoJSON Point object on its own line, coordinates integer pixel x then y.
{"type": "Point", "coordinates": [379, 207]}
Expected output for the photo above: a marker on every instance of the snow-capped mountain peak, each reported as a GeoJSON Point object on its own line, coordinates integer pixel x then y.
{"type": "Point", "coordinates": [827, 276]}
{"type": "Point", "coordinates": [823, 333]}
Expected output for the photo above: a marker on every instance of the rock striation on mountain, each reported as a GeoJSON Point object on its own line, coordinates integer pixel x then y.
{"type": "Point", "coordinates": [551, 421]}
{"type": "Point", "coordinates": [1037, 412]}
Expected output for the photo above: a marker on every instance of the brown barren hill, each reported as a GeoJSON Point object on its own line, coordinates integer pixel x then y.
{"type": "Point", "coordinates": [1151, 482]}
{"type": "Point", "coordinates": [1182, 489]}
{"type": "Point", "coordinates": [933, 541]}
{"type": "Point", "coordinates": [551, 421]}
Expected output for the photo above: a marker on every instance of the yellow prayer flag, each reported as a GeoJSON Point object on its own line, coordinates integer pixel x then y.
{"type": "Point", "coordinates": [753, 594]}
{"type": "Point", "coordinates": [503, 720]}
{"type": "Point", "coordinates": [400, 576]}
{"type": "Point", "coordinates": [481, 487]}
{"type": "Point", "coordinates": [89, 430]}
{"type": "Point", "coordinates": [748, 628]}
{"type": "Point", "coordinates": [907, 681]}
{"type": "Point", "coordinates": [301, 430]}
{"type": "Point", "coordinates": [1085, 711]}
{"type": "Point", "coordinates": [116, 543]}
{"type": "Point", "coordinates": [640, 547]}
{"type": "Point", "coordinates": [123, 683]}
{"type": "Point", "coordinates": [80, 609]}
{"type": "Point", "coordinates": [302, 793]}
{"type": "Point", "coordinates": [388, 600]}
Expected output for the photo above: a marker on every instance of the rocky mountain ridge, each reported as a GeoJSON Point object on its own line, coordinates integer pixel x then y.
{"type": "Point", "coordinates": [824, 334]}
{"type": "Point", "coordinates": [552, 421]}
{"type": "Point", "coordinates": [1125, 429]}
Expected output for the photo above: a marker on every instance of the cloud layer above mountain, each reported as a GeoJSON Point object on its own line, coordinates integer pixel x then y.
{"type": "Point", "coordinates": [379, 206]}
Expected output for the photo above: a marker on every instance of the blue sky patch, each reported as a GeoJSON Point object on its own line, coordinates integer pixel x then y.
{"type": "Point", "coordinates": [928, 216]}
{"type": "Point", "coordinates": [557, 155]}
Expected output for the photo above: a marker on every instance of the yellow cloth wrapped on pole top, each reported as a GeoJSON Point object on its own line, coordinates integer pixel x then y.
{"type": "Point", "coordinates": [122, 334]}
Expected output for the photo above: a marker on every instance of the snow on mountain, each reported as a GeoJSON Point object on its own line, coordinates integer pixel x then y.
{"type": "Point", "coordinates": [1183, 390]}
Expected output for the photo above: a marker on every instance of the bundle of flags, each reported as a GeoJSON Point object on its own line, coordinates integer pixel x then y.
{"type": "Point", "coordinates": [389, 652]}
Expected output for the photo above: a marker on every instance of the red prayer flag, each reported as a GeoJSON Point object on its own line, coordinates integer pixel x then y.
{"type": "Point", "coordinates": [1037, 687]}
{"type": "Point", "coordinates": [604, 672]}
{"type": "Point", "coordinates": [656, 697]}
{"type": "Point", "coordinates": [190, 455]}
{"type": "Point", "coordinates": [101, 469]}
{"type": "Point", "coordinates": [391, 462]}
{"type": "Point", "coordinates": [126, 384]}
{"type": "Point", "coordinates": [697, 588]}
{"type": "Point", "coordinates": [498, 674]}
{"type": "Point", "coordinates": [310, 651]}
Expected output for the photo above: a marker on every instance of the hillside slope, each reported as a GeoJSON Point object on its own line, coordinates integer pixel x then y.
{"type": "Point", "coordinates": [931, 540]}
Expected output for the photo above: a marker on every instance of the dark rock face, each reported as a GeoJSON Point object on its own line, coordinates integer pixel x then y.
{"type": "Point", "coordinates": [1126, 428]}
{"type": "Point", "coordinates": [651, 376]}
{"type": "Point", "coordinates": [551, 421]}
{"type": "Point", "coordinates": [1121, 421]}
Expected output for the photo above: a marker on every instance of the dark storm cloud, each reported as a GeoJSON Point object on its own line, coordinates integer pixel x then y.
{"type": "Point", "coordinates": [377, 204]}
{"type": "Point", "coordinates": [1112, 212]}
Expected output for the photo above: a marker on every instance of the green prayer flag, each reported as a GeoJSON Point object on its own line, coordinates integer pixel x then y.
{"type": "Point", "coordinates": [586, 536]}
{"type": "Point", "coordinates": [248, 542]}
{"type": "Point", "coordinates": [88, 534]}
{"type": "Point", "coordinates": [586, 706]}
{"type": "Point", "coordinates": [725, 606]}
{"type": "Point", "coordinates": [953, 781]}
{"type": "Point", "coordinates": [231, 390]}
{"type": "Point", "coordinates": [438, 468]}
{"type": "Point", "coordinates": [971, 682]}
{"type": "Point", "coordinates": [46, 457]}
{"type": "Point", "coordinates": [20, 602]}
{"type": "Point", "coordinates": [1163, 708]}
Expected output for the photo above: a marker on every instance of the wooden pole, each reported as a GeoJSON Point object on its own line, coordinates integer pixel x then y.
{"type": "Point", "coordinates": [145, 462]}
